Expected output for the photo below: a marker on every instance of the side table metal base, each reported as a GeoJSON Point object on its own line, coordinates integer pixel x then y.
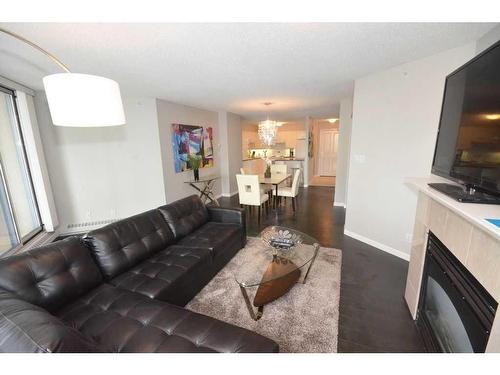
{"type": "Point", "coordinates": [206, 191]}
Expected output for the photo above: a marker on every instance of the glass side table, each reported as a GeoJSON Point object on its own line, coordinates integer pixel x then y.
{"type": "Point", "coordinates": [206, 188]}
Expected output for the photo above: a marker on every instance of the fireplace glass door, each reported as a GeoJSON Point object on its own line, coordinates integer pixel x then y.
{"type": "Point", "coordinates": [445, 320]}
{"type": "Point", "coordinates": [455, 311]}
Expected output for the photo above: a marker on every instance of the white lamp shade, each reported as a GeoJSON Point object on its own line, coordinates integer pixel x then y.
{"type": "Point", "coordinates": [83, 100]}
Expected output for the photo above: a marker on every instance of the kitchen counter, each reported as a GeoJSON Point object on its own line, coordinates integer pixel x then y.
{"type": "Point", "coordinates": [276, 159]}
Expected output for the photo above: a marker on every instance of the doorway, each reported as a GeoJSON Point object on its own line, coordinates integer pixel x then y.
{"type": "Point", "coordinates": [327, 153]}
{"type": "Point", "coordinates": [325, 135]}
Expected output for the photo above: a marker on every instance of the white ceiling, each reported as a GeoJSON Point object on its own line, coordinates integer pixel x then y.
{"type": "Point", "coordinates": [304, 68]}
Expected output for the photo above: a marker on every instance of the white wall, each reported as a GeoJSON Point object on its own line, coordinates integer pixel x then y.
{"type": "Point", "coordinates": [172, 113]}
{"type": "Point", "coordinates": [104, 173]}
{"type": "Point", "coordinates": [101, 174]}
{"type": "Point", "coordinates": [395, 120]}
{"type": "Point", "coordinates": [230, 151]}
{"type": "Point", "coordinates": [343, 154]}
{"type": "Point", "coordinates": [488, 39]}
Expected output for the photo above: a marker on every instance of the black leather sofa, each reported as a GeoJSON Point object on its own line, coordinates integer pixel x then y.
{"type": "Point", "coordinates": [122, 287]}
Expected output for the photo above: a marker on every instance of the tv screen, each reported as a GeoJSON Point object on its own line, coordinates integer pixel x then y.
{"type": "Point", "coordinates": [468, 144]}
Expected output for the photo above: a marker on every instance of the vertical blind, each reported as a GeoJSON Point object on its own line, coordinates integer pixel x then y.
{"type": "Point", "coordinates": [19, 215]}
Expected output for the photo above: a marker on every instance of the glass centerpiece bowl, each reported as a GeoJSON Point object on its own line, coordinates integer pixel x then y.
{"type": "Point", "coordinates": [281, 240]}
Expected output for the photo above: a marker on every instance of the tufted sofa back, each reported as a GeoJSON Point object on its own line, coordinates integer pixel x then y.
{"type": "Point", "coordinates": [185, 215]}
{"type": "Point", "coordinates": [52, 275]}
{"type": "Point", "coordinates": [26, 328]}
{"type": "Point", "coordinates": [123, 244]}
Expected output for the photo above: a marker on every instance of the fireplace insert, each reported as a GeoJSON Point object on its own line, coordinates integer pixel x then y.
{"type": "Point", "coordinates": [455, 312]}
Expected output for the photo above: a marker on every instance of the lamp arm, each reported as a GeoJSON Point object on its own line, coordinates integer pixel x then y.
{"type": "Point", "coordinates": [51, 56]}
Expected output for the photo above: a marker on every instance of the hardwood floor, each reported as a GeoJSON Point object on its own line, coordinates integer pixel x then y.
{"type": "Point", "coordinates": [322, 181]}
{"type": "Point", "coordinates": [373, 313]}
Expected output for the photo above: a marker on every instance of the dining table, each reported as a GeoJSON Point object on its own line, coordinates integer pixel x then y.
{"type": "Point", "coordinates": [275, 179]}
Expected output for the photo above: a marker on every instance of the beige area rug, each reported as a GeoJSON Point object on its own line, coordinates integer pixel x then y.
{"type": "Point", "coordinates": [304, 320]}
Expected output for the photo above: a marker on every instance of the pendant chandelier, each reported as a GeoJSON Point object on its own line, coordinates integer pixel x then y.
{"type": "Point", "coordinates": [268, 130]}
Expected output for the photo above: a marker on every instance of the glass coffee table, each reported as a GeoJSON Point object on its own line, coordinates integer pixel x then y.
{"type": "Point", "coordinates": [287, 255]}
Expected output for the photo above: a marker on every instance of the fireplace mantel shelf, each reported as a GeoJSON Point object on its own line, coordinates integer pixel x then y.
{"type": "Point", "coordinates": [474, 213]}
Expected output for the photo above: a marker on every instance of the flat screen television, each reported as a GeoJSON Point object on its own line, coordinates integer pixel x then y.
{"type": "Point", "coordinates": [468, 143]}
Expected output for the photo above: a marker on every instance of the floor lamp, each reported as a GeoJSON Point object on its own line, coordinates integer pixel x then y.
{"type": "Point", "coordinates": [79, 100]}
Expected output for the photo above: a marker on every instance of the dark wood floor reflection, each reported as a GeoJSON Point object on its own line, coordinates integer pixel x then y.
{"type": "Point", "coordinates": [373, 314]}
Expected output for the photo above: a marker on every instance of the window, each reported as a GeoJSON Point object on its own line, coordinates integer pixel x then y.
{"type": "Point", "coordinates": [19, 216]}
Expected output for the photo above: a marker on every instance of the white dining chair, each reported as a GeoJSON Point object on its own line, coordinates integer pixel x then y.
{"type": "Point", "coordinates": [249, 192]}
{"type": "Point", "coordinates": [264, 188]}
{"type": "Point", "coordinates": [290, 191]}
{"type": "Point", "coordinates": [280, 169]}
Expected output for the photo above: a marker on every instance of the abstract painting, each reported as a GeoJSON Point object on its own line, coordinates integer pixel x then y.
{"type": "Point", "coordinates": [191, 140]}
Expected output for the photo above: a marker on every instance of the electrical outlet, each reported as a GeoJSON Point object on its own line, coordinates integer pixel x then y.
{"type": "Point", "coordinates": [409, 237]}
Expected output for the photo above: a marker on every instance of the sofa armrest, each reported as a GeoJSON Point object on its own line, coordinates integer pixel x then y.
{"type": "Point", "coordinates": [231, 215]}
{"type": "Point", "coordinates": [227, 215]}
{"type": "Point", "coordinates": [26, 328]}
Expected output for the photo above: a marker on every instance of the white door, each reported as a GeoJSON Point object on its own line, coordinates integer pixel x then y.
{"type": "Point", "coordinates": [327, 153]}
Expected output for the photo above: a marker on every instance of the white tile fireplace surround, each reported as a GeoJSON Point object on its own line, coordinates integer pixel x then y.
{"type": "Point", "coordinates": [462, 229]}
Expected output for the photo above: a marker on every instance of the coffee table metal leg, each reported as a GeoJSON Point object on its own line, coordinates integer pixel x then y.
{"type": "Point", "coordinates": [316, 248]}
{"type": "Point", "coordinates": [255, 315]}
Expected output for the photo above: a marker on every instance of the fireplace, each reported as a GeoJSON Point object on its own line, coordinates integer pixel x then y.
{"type": "Point", "coordinates": [455, 312]}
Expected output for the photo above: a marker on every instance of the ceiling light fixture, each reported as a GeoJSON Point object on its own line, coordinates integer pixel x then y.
{"type": "Point", "coordinates": [268, 129]}
{"type": "Point", "coordinates": [333, 120]}
{"type": "Point", "coordinates": [79, 100]}
{"type": "Point", "coordinates": [492, 116]}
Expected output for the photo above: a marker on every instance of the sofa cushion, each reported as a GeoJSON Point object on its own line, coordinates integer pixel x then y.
{"type": "Point", "coordinates": [130, 322]}
{"type": "Point", "coordinates": [52, 275]}
{"type": "Point", "coordinates": [163, 274]}
{"type": "Point", "coordinates": [215, 236]}
{"type": "Point", "coordinates": [26, 328]}
{"type": "Point", "coordinates": [185, 215]}
{"type": "Point", "coordinates": [119, 246]}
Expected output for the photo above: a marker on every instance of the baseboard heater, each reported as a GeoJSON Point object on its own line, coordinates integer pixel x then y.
{"type": "Point", "coordinates": [88, 225]}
